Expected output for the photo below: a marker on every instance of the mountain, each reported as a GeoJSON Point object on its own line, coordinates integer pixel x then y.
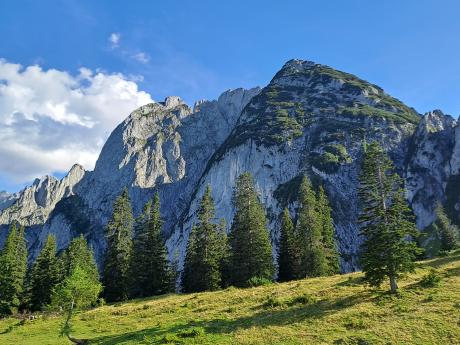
{"type": "Point", "coordinates": [310, 119]}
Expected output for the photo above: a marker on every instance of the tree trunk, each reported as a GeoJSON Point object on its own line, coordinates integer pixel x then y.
{"type": "Point", "coordinates": [393, 284]}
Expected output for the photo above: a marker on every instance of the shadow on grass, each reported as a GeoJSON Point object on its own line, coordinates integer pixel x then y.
{"type": "Point", "coordinates": [439, 262]}
{"type": "Point", "coordinates": [266, 317]}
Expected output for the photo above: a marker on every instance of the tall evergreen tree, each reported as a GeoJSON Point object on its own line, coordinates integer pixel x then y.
{"type": "Point", "coordinates": [13, 266]}
{"type": "Point", "coordinates": [119, 233]}
{"type": "Point", "coordinates": [312, 261]}
{"type": "Point", "coordinates": [202, 267]}
{"type": "Point", "coordinates": [78, 253]}
{"type": "Point", "coordinates": [150, 273]}
{"type": "Point", "coordinates": [328, 233]}
{"type": "Point", "coordinates": [387, 223]}
{"type": "Point", "coordinates": [251, 251]}
{"type": "Point", "coordinates": [44, 275]}
{"type": "Point", "coordinates": [286, 250]}
{"type": "Point", "coordinates": [446, 231]}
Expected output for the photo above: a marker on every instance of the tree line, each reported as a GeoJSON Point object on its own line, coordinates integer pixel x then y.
{"type": "Point", "coordinates": [136, 264]}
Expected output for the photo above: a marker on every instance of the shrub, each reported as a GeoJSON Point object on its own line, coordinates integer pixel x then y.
{"type": "Point", "coordinates": [302, 299]}
{"type": "Point", "coordinates": [272, 302]}
{"type": "Point", "coordinates": [431, 279]}
{"type": "Point", "coordinates": [258, 281]}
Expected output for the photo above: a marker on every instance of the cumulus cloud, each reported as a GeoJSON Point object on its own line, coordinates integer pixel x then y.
{"type": "Point", "coordinates": [51, 119]}
{"type": "Point", "coordinates": [114, 39]}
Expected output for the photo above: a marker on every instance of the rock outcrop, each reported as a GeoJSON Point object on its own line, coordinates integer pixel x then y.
{"type": "Point", "coordinates": [310, 119]}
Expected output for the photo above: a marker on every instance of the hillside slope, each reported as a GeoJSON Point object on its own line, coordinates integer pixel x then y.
{"type": "Point", "coordinates": [332, 310]}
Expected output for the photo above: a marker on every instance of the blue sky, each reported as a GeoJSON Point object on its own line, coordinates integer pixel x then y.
{"type": "Point", "coordinates": [197, 49]}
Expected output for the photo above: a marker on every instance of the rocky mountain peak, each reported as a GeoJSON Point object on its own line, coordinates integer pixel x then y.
{"type": "Point", "coordinates": [436, 120]}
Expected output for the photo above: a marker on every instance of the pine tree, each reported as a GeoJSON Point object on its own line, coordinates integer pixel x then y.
{"type": "Point", "coordinates": [312, 261]}
{"type": "Point", "coordinates": [44, 275]}
{"type": "Point", "coordinates": [13, 266]}
{"type": "Point", "coordinates": [202, 266]}
{"type": "Point", "coordinates": [447, 232]}
{"type": "Point", "coordinates": [387, 223]}
{"type": "Point", "coordinates": [119, 232]}
{"type": "Point", "coordinates": [78, 253]}
{"type": "Point", "coordinates": [328, 233]}
{"type": "Point", "coordinates": [251, 251]}
{"type": "Point", "coordinates": [286, 250]}
{"type": "Point", "coordinates": [150, 273]}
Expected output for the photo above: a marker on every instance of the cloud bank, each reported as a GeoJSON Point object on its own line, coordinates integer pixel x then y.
{"type": "Point", "coordinates": [51, 119]}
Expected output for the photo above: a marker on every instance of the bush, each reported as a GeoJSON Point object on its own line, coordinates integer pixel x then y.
{"type": "Point", "coordinates": [272, 302]}
{"type": "Point", "coordinates": [258, 281]}
{"type": "Point", "coordinates": [303, 299]}
{"type": "Point", "coordinates": [431, 279]}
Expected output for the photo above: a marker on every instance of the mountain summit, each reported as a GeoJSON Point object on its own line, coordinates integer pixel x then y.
{"type": "Point", "coordinates": [310, 119]}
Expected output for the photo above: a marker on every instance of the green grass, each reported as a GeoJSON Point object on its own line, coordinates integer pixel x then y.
{"type": "Point", "coordinates": [332, 310]}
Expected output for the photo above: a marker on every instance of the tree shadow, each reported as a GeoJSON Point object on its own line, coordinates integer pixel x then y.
{"type": "Point", "coordinates": [277, 316]}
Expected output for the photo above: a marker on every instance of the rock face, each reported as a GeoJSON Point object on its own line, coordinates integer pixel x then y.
{"type": "Point", "coordinates": [310, 119]}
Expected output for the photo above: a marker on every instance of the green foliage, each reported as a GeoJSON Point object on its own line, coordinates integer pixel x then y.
{"type": "Point", "coordinates": [78, 253]}
{"type": "Point", "coordinates": [286, 248]}
{"type": "Point", "coordinates": [13, 266]}
{"type": "Point", "coordinates": [77, 291]}
{"type": "Point", "coordinates": [251, 251]}
{"type": "Point", "coordinates": [328, 233]}
{"type": "Point", "coordinates": [44, 276]}
{"type": "Point", "coordinates": [332, 157]}
{"type": "Point", "coordinates": [119, 232]}
{"type": "Point", "coordinates": [206, 249]}
{"type": "Point", "coordinates": [387, 223]}
{"type": "Point", "coordinates": [310, 260]}
{"type": "Point", "coordinates": [447, 232]}
{"type": "Point", "coordinates": [258, 281]}
{"type": "Point", "coordinates": [150, 273]}
{"type": "Point", "coordinates": [432, 279]}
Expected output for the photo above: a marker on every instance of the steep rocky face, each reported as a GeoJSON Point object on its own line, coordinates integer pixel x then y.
{"type": "Point", "coordinates": [428, 164]}
{"type": "Point", "coordinates": [7, 199]}
{"type": "Point", "coordinates": [309, 120]}
{"type": "Point", "coordinates": [160, 147]}
{"type": "Point", "coordinates": [34, 204]}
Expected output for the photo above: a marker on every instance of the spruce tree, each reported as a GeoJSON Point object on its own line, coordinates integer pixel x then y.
{"type": "Point", "coordinates": [387, 223]}
{"type": "Point", "coordinates": [328, 233]}
{"type": "Point", "coordinates": [312, 261]}
{"type": "Point", "coordinates": [286, 250]}
{"type": "Point", "coordinates": [251, 250]}
{"type": "Point", "coordinates": [150, 273]}
{"type": "Point", "coordinates": [44, 275]}
{"type": "Point", "coordinates": [202, 266]}
{"type": "Point", "coordinates": [447, 232]}
{"type": "Point", "coordinates": [119, 233]}
{"type": "Point", "coordinates": [78, 253]}
{"type": "Point", "coordinates": [13, 266]}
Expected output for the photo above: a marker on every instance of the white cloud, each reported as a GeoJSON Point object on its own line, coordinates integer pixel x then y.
{"type": "Point", "coordinates": [141, 57]}
{"type": "Point", "coordinates": [51, 119]}
{"type": "Point", "coordinates": [114, 39]}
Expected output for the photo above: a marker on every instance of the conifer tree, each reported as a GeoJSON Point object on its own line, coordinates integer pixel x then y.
{"type": "Point", "coordinates": [251, 251]}
{"type": "Point", "coordinates": [13, 266]}
{"type": "Point", "coordinates": [150, 273]}
{"type": "Point", "coordinates": [44, 275]}
{"type": "Point", "coordinates": [387, 223]}
{"type": "Point", "coordinates": [119, 232]}
{"type": "Point", "coordinates": [328, 233]}
{"type": "Point", "coordinates": [312, 261]}
{"type": "Point", "coordinates": [447, 232]}
{"type": "Point", "coordinates": [286, 250]}
{"type": "Point", "coordinates": [78, 253]}
{"type": "Point", "coordinates": [202, 266]}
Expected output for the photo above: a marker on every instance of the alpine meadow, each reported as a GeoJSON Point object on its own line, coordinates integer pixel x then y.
{"type": "Point", "coordinates": [315, 209]}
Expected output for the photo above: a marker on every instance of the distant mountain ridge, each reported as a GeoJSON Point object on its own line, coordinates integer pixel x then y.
{"type": "Point", "coordinates": [310, 119]}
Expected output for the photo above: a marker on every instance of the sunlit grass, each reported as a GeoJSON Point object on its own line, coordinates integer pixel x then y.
{"type": "Point", "coordinates": [332, 310]}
